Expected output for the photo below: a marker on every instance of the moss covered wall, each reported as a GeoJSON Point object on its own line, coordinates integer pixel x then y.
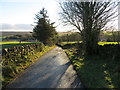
{"type": "Point", "coordinates": [16, 59]}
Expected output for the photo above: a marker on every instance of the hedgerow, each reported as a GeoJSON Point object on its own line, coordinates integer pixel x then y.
{"type": "Point", "coordinates": [98, 71]}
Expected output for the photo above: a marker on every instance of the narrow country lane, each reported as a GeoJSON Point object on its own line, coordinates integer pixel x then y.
{"type": "Point", "coordinates": [52, 70]}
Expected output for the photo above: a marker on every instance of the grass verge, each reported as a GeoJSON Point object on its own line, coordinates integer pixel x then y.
{"type": "Point", "coordinates": [95, 71]}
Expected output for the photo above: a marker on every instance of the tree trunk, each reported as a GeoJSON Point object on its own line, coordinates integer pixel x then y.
{"type": "Point", "coordinates": [90, 41]}
{"type": "Point", "coordinates": [91, 48]}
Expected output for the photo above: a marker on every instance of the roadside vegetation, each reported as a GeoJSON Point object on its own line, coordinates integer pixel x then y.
{"type": "Point", "coordinates": [101, 70]}
{"type": "Point", "coordinates": [96, 58]}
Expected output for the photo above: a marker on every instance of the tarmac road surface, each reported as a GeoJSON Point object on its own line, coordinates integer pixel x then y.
{"type": "Point", "coordinates": [52, 70]}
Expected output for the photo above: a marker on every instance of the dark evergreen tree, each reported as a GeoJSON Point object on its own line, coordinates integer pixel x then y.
{"type": "Point", "coordinates": [44, 31]}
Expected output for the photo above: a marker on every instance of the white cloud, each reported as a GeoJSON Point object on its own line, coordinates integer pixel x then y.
{"type": "Point", "coordinates": [16, 26]}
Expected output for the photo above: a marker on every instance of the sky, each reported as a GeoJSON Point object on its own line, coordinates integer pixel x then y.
{"type": "Point", "coordinates": [18, 15]}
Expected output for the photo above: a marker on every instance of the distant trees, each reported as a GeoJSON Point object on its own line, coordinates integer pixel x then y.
{"type": "Point", "coordinates": [89, 18]}
{"type": "Point", "coordinates": [44, 31]}
{"type": "Point", "coordinates": [75, 36]}
{"type": "Point", "coordinates": [112, 36]}
{"type": "Point", "coordinates": [24, 37]}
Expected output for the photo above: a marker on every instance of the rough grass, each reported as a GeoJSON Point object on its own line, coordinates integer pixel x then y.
{"type": "Point", "coordinates": [95, 71]}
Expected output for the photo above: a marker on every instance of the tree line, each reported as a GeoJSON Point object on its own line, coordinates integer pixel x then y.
{"type": "Point", "coordinates": [90, 18]}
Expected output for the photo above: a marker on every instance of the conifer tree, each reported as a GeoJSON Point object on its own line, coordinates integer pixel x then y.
{"type": "Point", "coordinates": [44, 31]}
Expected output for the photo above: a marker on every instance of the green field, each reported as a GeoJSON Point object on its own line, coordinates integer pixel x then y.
{"type": "Point", "coordinates": [8, 44]}
{"type": "Point", "coordinates": [100, 43]}
{"type": "Point", "coordinates": [103, 43]}
{"type": "Point", "coordinates": [13, 42]}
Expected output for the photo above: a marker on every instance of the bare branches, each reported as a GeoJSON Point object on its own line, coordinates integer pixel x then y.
{"type": "Point", "coordinates": [89, 18]}
{"type": "Point", "coordinates": [83, 14]}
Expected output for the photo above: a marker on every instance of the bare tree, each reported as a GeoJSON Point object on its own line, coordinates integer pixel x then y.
{"type": "Point", "coordinates": [89, 18]}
